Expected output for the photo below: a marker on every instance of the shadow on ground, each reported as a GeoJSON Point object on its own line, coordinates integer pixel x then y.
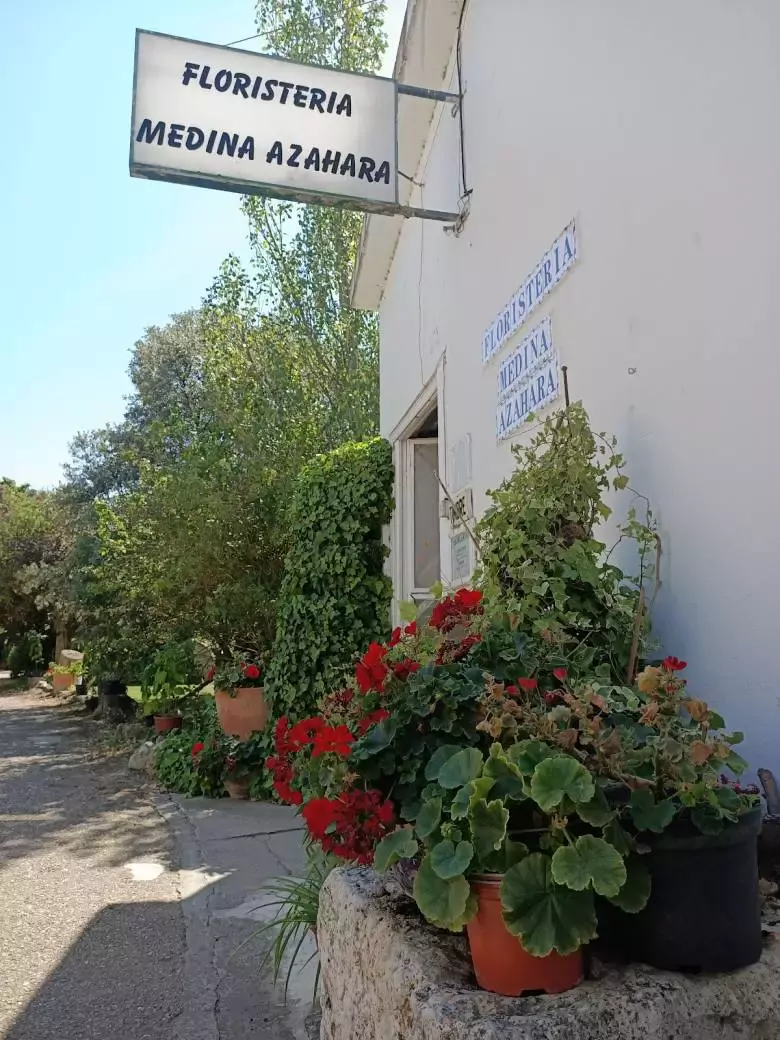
{"type": "Point", "coordinates": [94, 991]}
{"type": "Point", "coordinates": [53, 794]}
{"type": "Point", "coordinates": [171, 959]}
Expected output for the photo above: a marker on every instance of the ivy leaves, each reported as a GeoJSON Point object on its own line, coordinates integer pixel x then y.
{"type": "Point", "coordinates": [333, 601]}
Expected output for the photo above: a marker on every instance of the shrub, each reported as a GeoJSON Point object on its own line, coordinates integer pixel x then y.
{"type": "Point", "coordinates": [26, 655]}
{"type": "Point", "coordinates": [335, 598]}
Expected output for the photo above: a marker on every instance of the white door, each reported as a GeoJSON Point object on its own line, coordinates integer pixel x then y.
{"type": "Point", "coordinates": [421, 552]}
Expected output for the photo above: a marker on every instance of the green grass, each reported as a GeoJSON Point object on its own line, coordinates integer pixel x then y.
{"type": "Point", "coordinates": [134, 692]}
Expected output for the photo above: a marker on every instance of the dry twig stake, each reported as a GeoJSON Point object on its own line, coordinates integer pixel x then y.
{"type": "Point", "coordinates": [640, 609]}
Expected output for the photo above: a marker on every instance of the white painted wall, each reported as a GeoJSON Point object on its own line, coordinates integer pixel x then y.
{"type": "Point", "coordinates": [655, 125]}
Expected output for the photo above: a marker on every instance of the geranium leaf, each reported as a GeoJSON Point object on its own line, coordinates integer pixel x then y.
{"type": "Point", "coordinates": [557, 778]}
{"type": "Point", "coordinates": [527, 755]}
{"type": "Point", "coordinates": [618, 838]}
{"type": "Point", "coordinates": [462, 767]}
{"type": "Point", "coordinates": [736, 763]}
{"type": "Point", "coordinates": [515, 852]}
{"type": "Point", "coordinates": [428, 818]}
{"type": "Point", "coordinates": [508, 778]}
{"type": "Point", "coordinates": [471, 792]}
{"type": "Point", "coordinates": [596, 812]}
{"type": "Point", "coordinates": [634, 894]}
{"type": "Point", "coordinates": [488, 826]}
{"type": "Point", "coordinates": [591, 861]}
{"type": "Point", "coordinates": [543, 915]}
{"type": "Point", "coordinates": [449, 860]}
{"type": "Point", "coordinates": [394, 847]}
{"type": "Point", "coordinates": [707, 820]}
{"type": "Point", "coordinates": [441, 902]}
{"type": "Point", "coordinates": [649, 815]}
{"type": "Point", "coordinates": [438, 758]}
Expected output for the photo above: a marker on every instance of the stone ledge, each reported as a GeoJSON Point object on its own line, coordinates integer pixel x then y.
{"type": "Point", "coordinates": [386, 976]}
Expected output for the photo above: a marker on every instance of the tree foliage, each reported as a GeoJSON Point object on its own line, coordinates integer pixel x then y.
{"type": "Point", "coordinates": [177, 516]}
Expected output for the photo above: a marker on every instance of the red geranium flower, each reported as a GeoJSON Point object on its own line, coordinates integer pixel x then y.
{"type": "Point", "coordinates": [197, 748]}
{"type": "Point", "coordinates": [365, 724]}
{"type": "Point", "coordinates": [527, 684]}
{"type": "Point", "coordinates": [251, 671]}
{"type": "Point", "coordinates": [411, 629]}
{"type": "Point", "coordinates": [395, 638]}
{"type": "Point", "coordinates": [468, 599]}
{"type": "Point", "coordinates": [211, 673]}
{"type": "Point", "coordinates": [286, 793]}
{"type": "Point", "coordinates": [552, 698]}
{"type": "Point", "coordinates": [335, 740]}
{"type": "Point", "coordinates": [281, 734]}
{"type": "Point", "coordinates": [319, 814]}
{"type": "Point", "coordinates": [370, 671]}
{"type": "Point", "coordinates": [403, 669]}
{"type": "Point", "coordinates": [303, 732]}
{"type": "Point", "coordinates": [561, 674]}
{"type": "Point", "coordinates": [512, 691]}
{"type": "Point", "coordinates": [673, 664]}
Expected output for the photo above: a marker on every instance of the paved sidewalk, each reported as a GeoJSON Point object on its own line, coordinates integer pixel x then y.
{"type": "Point", "coordinates": [226, 850]}
{"type": "Point", "coordinates": [123, 909]}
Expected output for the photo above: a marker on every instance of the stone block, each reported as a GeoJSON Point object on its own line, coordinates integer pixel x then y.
{"type": "Point", "coordinates": [386, 975]}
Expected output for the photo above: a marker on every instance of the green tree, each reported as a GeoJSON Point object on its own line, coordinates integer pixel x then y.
{"type": "Point", "coordinates": [33, 545]}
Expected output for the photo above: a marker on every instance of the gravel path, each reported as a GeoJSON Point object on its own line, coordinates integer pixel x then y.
{"type": "Point", "coordinates": [92, 934]}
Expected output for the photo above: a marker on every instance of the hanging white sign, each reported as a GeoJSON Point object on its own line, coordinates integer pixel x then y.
{"type": "Point", "coordinates": [558, 259]}
{"type": "Point", "coordinates": [234, 119]}
{"type": "Point", "coordinates": [531, 353]}
{"type": "Point", "coordinates": [532, 393]}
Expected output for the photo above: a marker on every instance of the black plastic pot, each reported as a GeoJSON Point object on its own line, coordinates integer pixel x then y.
{"type": "Point", "coordinates": [704, 910]}
{"type": "Point", "coordinates": [114, 700]}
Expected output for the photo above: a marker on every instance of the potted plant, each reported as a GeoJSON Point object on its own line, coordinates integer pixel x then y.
{"type": "Point", "coordinates": [512, 836]}
{"type": "Point", "coordinates": [238, 692]}
{"type": "Point", "coordinates": [696, 826]}
{"type": "Point", "coordinates": [516, 844]}
{"type": "Point", "coordinates": [167, 686]}
{"type": "Point", "coordinates": [224, 761]}
{"type": "Point", "coordinates": [63, 676]}
{"type": "Point", "coordinates": [243, 761]}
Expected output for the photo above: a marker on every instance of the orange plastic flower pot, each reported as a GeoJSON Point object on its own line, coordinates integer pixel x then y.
{"type": "Point", "coordinates": [500, 962]}
{"type": "Point", "coordinates": [165, 723]}
{"type": "Point", "coordinates": [242, 714]}
{"type": "Point", "coordinates": [62, 681]}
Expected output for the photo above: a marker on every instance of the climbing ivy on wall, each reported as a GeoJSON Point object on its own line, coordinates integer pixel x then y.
{"type": "Point", "coordinates": [335, 597]}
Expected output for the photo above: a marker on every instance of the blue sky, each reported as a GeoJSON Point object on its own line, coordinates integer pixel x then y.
{"type": "Point", "coordinates": [88, 256]}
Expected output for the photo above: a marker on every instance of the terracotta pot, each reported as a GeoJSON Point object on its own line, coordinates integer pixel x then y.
{"type": "Point", "coordinates": [500, 962]}
{"type": "Point", "coordinates": [242, 714]}
{"type": "Point", "coordinates": [166, 723]}
{"type": "Point", "coordinates": [62, 681]}
{"type": "Point", "coordinates": [238, 788]}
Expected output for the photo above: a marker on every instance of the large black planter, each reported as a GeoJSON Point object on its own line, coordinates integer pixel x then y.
{"type": "Point", "coordinates": [115, 704]}
{"type": "Point", "coordinates": [704, 910]}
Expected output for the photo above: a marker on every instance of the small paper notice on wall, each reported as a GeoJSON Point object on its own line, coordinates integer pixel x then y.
{"type": "Point", "coordinates": [461, 556]}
